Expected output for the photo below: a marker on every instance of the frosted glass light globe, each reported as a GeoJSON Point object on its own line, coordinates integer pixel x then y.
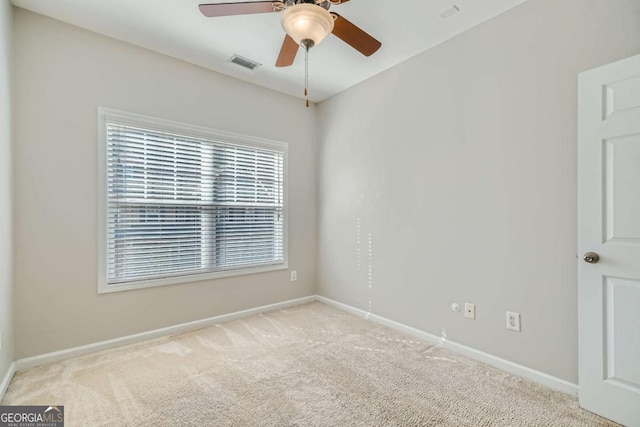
{"type": "Point", "coordinates": [305, 21]}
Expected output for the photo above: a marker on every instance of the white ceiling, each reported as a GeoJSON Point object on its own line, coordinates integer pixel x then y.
{"type": "Point", "coordinates": [176, 28]}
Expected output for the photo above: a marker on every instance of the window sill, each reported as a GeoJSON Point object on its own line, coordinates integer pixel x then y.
{"type": "Point", "coordinates": [104, 288]}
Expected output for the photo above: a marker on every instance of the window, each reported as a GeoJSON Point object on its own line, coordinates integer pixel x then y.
{"type": "Point", "coordinates": [181, 203]}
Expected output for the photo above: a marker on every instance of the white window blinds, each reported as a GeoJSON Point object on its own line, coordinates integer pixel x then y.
{"type": "Point", "coordinates": [180, 205]}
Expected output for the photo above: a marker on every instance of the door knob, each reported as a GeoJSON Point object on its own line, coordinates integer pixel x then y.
{"type": "Point", "coordinates": [591, 257]}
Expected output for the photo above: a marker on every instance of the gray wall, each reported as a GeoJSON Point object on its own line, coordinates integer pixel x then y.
{"type": "Point", "coordinates": [6, 285]}
{"type": "Point", "coordinates": [460, 164]}
{"type": "Point", "coordinates": [62, 74]}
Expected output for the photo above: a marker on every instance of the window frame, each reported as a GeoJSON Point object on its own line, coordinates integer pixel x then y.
{"type": "Point", "coordinates": [110, 115]}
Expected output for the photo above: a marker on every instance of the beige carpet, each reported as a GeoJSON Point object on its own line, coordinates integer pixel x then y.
{"type": "Point", "coordinates": [310, 365]}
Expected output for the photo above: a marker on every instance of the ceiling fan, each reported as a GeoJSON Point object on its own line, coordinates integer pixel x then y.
{"type": "Point", "coordinates": [306, 22]}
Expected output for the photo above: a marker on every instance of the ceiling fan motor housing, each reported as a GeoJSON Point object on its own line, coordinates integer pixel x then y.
{"type": "Point", "coordinates": [323, 4]}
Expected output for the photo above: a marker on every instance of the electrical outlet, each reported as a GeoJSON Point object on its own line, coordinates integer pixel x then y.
{"type": "Point", "coordinates": [470, 311]}
{"type": "Point", "coordinates": [294, 276]}
{"type": "Point", "coordinates": [513, 321]}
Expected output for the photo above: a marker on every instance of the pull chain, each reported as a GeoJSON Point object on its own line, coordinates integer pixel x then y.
{"type": "Point", "coordinates": [306, 74]}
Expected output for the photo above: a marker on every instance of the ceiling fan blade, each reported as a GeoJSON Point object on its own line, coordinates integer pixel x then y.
{"type": "Point", "coordinates": [354, 36]}
{"type": "Point", "coordinates": [243, 8]}
{"type": "Point", "coordinates": [287, 52]}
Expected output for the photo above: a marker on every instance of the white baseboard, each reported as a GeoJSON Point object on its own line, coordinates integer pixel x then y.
{"type": "Point", "coordinates": [514, 368]}
{"type": "Point", "coordinates": [56, 356]}
{"type": "Point", "coordinates": [7, 379]}
{"type": "Point", "coordinates": [425, 336]}
{"type": "Point", "coordinates": [506, 365]}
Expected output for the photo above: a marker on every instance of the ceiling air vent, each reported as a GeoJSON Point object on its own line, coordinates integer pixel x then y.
{"type": "Point", "coordinates": [244, 62]}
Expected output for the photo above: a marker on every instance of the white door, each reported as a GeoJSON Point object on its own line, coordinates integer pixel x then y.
{"type": "Point", "coordinates": [609, 225]}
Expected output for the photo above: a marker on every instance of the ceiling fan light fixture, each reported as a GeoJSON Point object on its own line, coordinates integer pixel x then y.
{"type": "Point", "coordinates": [307, 21]}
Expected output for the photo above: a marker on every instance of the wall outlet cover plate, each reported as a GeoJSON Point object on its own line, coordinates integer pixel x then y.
{"type": "Point", "coordinates": [513, 321]}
